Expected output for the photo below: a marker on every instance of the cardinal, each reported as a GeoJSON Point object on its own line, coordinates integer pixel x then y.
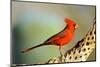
{"type": "Point", "coordinates": [60, 39]}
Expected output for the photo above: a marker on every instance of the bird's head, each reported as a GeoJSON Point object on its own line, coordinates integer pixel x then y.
{"type": "Point", "coordinates": [71, 23]}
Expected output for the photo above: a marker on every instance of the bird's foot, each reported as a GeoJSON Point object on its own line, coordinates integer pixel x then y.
{"type": "Point", "coordinates": [62, 59]}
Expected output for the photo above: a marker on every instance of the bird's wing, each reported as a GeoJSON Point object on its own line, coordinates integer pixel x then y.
{"type": "Point", "coordinates": [56, 37]}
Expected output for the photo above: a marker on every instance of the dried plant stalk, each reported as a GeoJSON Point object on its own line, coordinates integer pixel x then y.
{"type": "Point", "coordinates": [81, 51]}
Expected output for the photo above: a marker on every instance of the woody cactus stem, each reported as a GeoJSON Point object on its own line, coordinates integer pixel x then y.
{"type": "Point", "coordinates": [81, 51]}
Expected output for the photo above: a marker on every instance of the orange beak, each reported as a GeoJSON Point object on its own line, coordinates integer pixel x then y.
{"type": "Point", "coordinates": [76, 26]}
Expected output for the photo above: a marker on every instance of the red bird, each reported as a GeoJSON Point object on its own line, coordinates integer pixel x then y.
{"type": "Point", "coordinates": [60, 39]}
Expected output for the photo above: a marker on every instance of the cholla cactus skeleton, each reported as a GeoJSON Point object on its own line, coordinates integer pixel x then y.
{"type": "Point", "coordinates": [81, 51]}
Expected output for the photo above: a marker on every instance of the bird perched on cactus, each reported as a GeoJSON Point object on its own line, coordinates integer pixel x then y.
{"type": "Point", "coordinates": [60, 39]}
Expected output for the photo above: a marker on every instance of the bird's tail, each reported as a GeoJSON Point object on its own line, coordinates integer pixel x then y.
{"type": "Point", "coordinates": [26, 50]}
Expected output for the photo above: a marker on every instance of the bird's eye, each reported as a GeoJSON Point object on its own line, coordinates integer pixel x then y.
{"type": "Point", "coordinates": [74, 25]}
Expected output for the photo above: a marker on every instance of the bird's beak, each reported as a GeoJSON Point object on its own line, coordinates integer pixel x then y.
{"type": "Point", "coordinates": [76, 26]}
